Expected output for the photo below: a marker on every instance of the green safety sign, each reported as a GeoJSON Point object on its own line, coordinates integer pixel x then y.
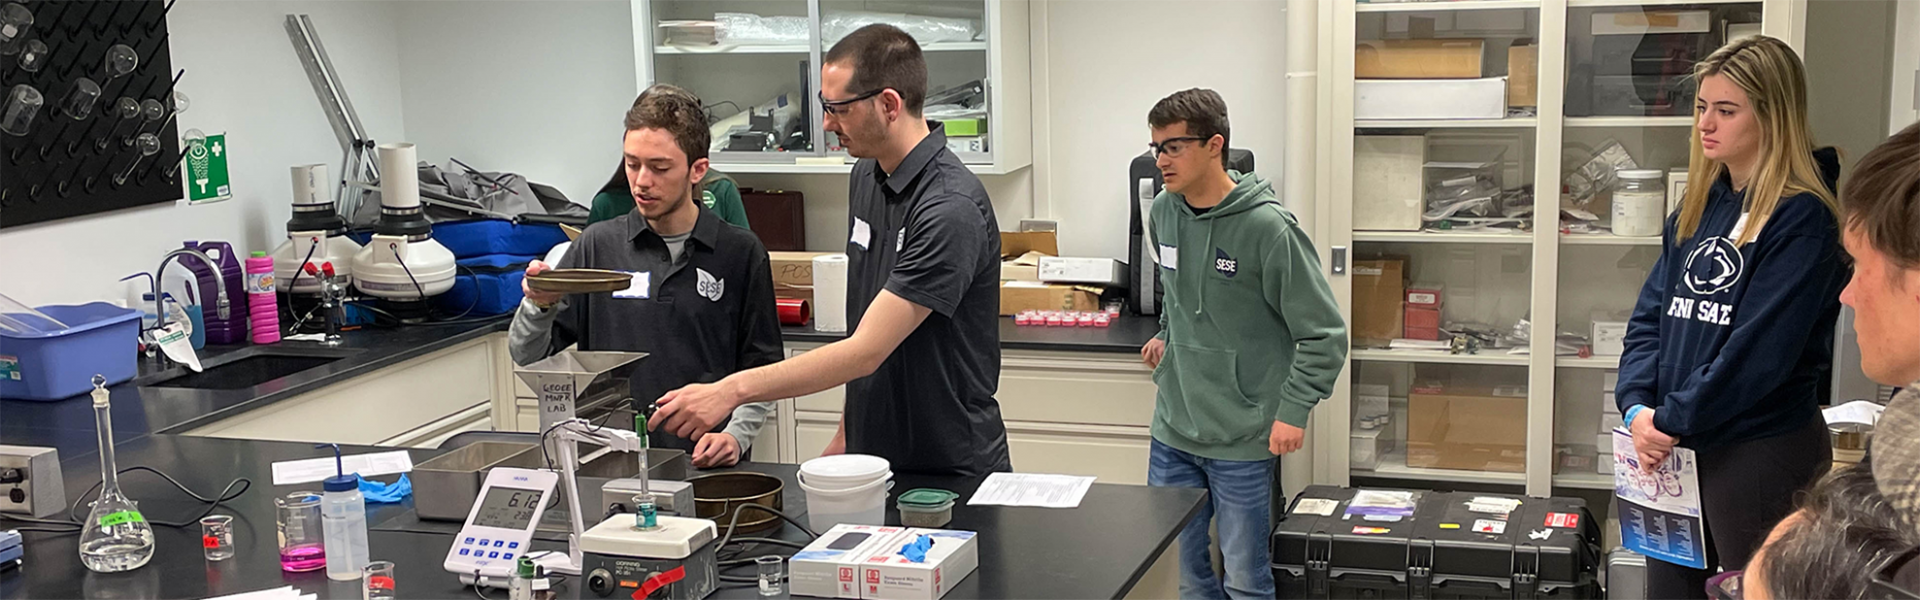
{"type": "Point", "coordinates": [207, 171]}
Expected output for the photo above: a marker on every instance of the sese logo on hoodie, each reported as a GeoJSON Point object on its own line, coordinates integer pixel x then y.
{"type": "Point", "coordinates": [1226, 265]}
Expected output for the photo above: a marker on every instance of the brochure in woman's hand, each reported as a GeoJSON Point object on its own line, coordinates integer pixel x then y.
{"type": "Point", "coordinates": [1659, 509]}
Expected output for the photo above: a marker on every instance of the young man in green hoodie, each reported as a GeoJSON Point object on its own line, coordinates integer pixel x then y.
{"type": "Point", "coordinates": [1250, 339]}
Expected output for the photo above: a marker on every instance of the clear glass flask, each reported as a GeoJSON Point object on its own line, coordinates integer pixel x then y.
{"type": "Point", "coordinates": [115, 537]}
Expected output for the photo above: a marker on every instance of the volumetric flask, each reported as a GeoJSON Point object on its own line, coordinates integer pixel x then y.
{"type": "Point", "coordinates": [120, 60]}
{"type": "Point", "coordinates": [302, 538]}
{"type": "Point", "coordinates": [23, 102]}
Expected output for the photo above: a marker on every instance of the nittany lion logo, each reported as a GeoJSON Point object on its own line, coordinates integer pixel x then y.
{"type": "Point", "coordinates": [709, 287]}
{"type": "Point", "coordinates": [1713, 267]}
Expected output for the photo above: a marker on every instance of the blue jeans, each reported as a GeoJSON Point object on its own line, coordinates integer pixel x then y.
{"type": "Point", "coordinates": [1240, 495]}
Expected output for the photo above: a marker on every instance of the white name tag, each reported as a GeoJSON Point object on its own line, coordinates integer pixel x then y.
{"type": "Point", "coordinates": [1169, 257]}
{"type": "Point", "coordinates": [862, 233]}
{"type": "Point", "coordinates": [640, 288]}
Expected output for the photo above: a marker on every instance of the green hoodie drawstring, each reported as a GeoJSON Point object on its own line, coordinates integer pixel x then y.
{"type": "Point", "coordinates": [1201, 302]}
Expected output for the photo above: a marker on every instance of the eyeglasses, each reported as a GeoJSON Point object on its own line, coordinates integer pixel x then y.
{"type": "Point", "coordinates": [1169, 145]}
{"type": "Point", "coordinates": [839, 107]}
{"type": "Point", "coordinates": [1727, 586]}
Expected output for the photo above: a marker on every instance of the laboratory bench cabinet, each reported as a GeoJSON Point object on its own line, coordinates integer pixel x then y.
{"type": "Point", "coordinates": [754, 64]}
{"type": "Point", "coordinates": [1428, 105]}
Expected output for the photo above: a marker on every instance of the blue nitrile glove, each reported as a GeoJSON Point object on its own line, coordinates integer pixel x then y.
{"type": "Point", "coordinates": [386, 493]}
{"type": "Point", "coordinates": [916, 551]}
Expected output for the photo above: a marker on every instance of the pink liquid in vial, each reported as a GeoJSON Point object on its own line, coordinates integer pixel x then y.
{"type": "Point", "coordinates": [296, 559]}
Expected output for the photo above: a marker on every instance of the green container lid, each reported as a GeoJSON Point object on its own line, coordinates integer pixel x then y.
{"type": "Point", "coordinates": [926, 498]}
{"type": "Point", "coordinates": [259, 254]}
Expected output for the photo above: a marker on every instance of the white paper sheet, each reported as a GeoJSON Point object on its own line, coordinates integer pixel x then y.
{"type": "Point", "coordinates": [1858, 411]}
{"type": "Point", "coordinates": [279, 593]}
{"type": "Point", "coordinates": [316, 469]}
{"type": "Point", "coordinates": [1031, 489]}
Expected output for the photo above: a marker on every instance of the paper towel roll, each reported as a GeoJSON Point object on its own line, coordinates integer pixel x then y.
{"type": "Point", "coordinates": [830, 293]}
{"type": "Point", "coordinates": [399, 176]}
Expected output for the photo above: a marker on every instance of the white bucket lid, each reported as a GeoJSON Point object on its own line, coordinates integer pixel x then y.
{"type": "Point", "coordinates": [845, 468]}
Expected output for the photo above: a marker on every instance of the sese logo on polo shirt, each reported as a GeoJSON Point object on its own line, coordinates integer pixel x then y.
{"type": "Point", "coordinates": [1226, 265]}
{"type": "Point", "coordinates": [709, 287]}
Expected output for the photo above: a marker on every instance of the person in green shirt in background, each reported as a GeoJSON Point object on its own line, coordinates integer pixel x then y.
{"type": "Point", "coordinates": [717, 191]}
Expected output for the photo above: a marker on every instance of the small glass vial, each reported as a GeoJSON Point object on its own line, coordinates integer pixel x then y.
{"type": "Point", "coordinates": [216, 537]}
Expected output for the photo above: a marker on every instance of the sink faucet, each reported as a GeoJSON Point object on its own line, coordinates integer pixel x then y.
{"type": "Point", "coordinates": [219, 283]}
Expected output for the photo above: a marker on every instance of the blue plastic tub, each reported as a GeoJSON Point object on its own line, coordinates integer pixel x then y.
{"type": "Point", "coordinates": [56, 364]}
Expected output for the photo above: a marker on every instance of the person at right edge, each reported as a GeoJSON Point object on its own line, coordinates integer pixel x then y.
{"type": "Point", "coordinates": [1730, 348]}
{"type": "Point", "coordinates": [1250, 340]}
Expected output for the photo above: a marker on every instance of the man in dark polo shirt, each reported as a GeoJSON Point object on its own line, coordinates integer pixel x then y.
{"type": "Point", "coordinates": [701, 301]}
{"type": "Point", "coordinates": [923, 294]}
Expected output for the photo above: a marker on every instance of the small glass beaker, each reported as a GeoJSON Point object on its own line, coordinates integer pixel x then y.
{"type": "Point", "coordinates": [216, 536]}
{"type": "Point", "coordinates": [23, 103]}
{"type": "Point", "coordinates": [377, 578]}
{"type": "Point", "coordinates": [79, 101]}
{"type": "Point", "coordinates": [773, 573]}
{"type": "Point", "coordinates": [34, 55]}
{"type": "Point", "coordinates": [302, 537]}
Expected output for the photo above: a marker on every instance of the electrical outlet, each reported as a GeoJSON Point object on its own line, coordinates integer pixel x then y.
{"type": "Point", "coordinates": [30, 481]}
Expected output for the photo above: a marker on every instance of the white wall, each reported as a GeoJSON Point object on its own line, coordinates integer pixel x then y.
{"type": "Point", "coordinates": [1107, 62]}
{"type": "Point", "coordinates": [1905, 68]}
{"type": "Point", "coordinates": [243, 79]}
{"type": "Point", "coordinates": [533, 87]}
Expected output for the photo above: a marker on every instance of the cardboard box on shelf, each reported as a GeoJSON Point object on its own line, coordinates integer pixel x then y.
{"type": "Point", "coordinates": [1418, 59]}
{"type": "Point", "coordinates": [1523, 75]}
{"type": "Point", "coordinates": [1016, 296]}
{"type": "Point", "coordinates": [1422, 318]}
{"type": "Point", "coordinates": [1484, 98]}
{"type": "Point", "coordinates": [1019, 243]}
{"type": "Point", "coordinates": [829, 566]}
{"type": "Point", "coordinates": [1389, 182]}
{"type": "Point", "coordinates": [1426, 295]}
{"type": "Point", "coordinates": [889, 575]}
{"type": "Point", "coordinates": [1093, 271]}
{"type": "Point", "coordinates": [1642, 22]}
{"type": "Point", "coordinates": [1429, 334]}
{"type": "Point", "coordinates": [1468, 428]}
{"type": "Point", "coordinates": [1379, 287]}
{"type": "Point", "coordinates": [1609, 338]}
{"type": "Point", "coordinates": [793, 273]}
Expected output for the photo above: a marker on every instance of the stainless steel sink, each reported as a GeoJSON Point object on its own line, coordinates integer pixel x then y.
{"type": "Point", "coordinates": [245, 368]}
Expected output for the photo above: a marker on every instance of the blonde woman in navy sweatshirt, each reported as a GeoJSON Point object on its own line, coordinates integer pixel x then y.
{"type": "Point", "coordinates": [1729, 350]}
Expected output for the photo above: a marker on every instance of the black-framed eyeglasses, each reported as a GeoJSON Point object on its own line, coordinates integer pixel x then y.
{"type": "Point", "coordinates": [1170, 145]}
{"type": "Point", "coordinates": [839, 107]}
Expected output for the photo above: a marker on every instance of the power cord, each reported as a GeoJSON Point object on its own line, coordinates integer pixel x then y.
{"type": "Point", "coordinates": [733, 525]}
{"type": "Point", "coordinates": [73, 524]}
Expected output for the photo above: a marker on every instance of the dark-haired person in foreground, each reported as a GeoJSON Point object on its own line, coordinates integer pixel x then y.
{"type": "Point", "coordinates": [701, 301]}
{"type": "Point", "coordinates": [923, 289]}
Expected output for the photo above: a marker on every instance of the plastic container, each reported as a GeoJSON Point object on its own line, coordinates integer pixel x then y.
{"type": "Point", "coordinates": [263, 311]}
{"type": "Point", "coordinates": [926, 507]}
{"type": "Point", "coordinates": [343, 513]}
{"type": "Point", "coordinates": [44, 361]}
{"type": "Point", "coordinates": [846, 488]}
{"type": "Point", "coordinates": [862, 505]}
{"type": "Point", "coordinates": [1639, 203]}
{"type": "Point", "coordinates": [233, 329]}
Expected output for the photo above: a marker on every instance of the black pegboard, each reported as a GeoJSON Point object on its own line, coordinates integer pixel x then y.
{"type": "Point", "coordinates": [59, 169]}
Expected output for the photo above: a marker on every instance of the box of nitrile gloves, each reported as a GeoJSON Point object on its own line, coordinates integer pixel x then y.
{"type": "Point", "coordinates": [919, 564]}
{"type": "Point", "coordinates": [829, 567]}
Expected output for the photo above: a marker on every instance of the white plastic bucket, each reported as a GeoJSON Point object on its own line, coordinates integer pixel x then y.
{"type": "Point", "coordinates": [864, 504]}
{"type": "Point", "coordinates": [842, 471]}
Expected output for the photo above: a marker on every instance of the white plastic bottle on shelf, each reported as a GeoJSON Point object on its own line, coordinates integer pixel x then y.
{"type": "Point", "coordinates": [343, 515]}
